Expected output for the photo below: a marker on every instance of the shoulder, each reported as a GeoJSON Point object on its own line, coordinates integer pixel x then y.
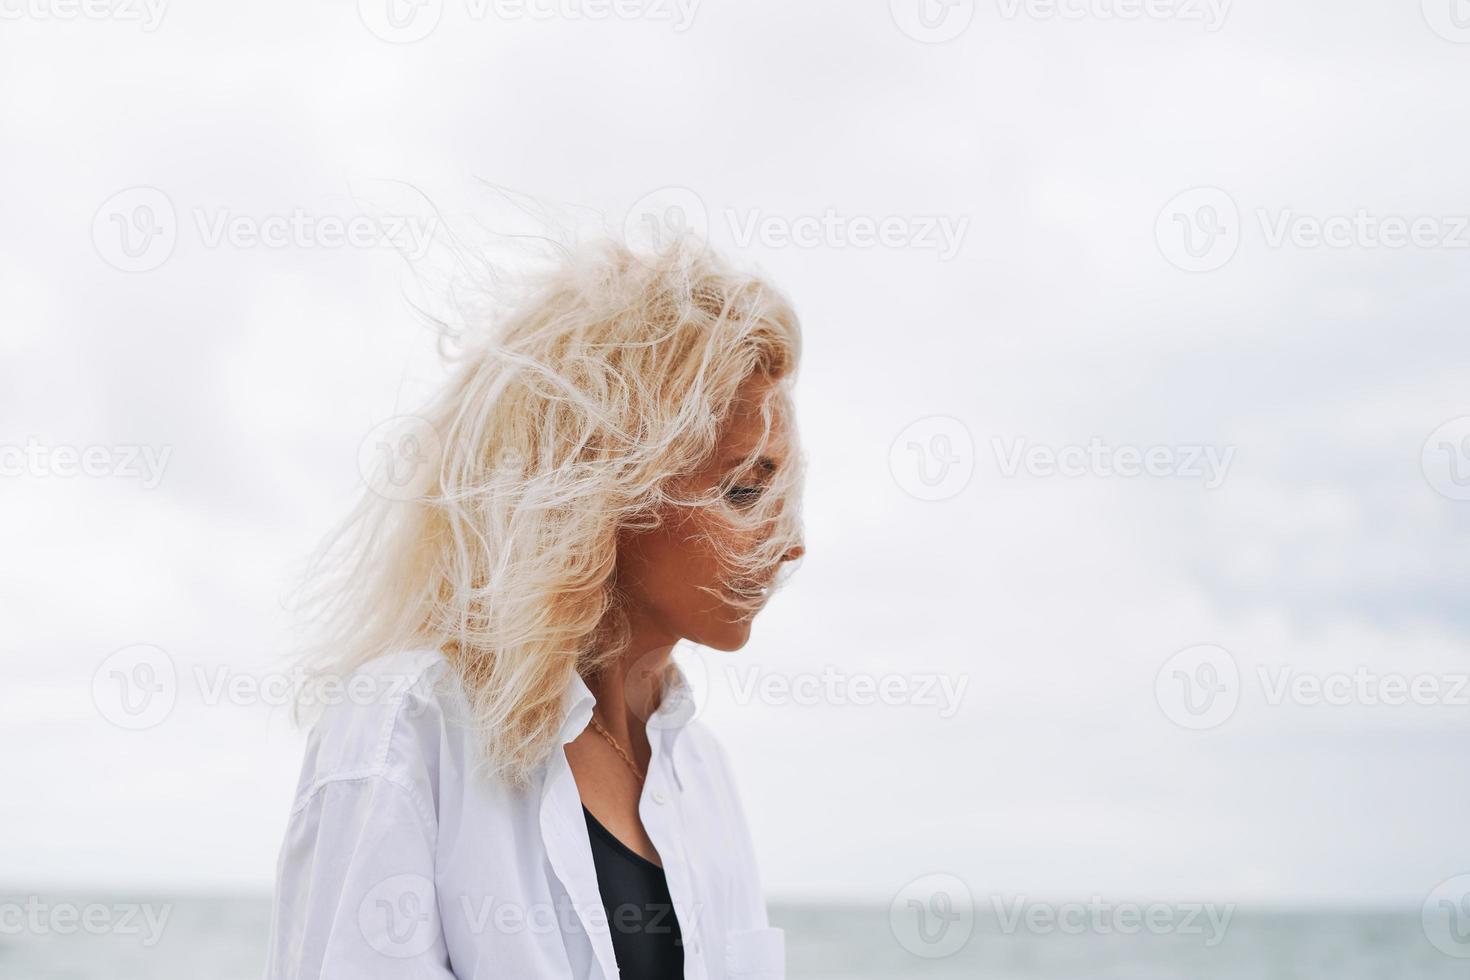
{"type": "Point", "coordinates": [387, 719]}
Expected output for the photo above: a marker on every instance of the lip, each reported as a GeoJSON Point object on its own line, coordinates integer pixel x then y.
{"type": "Point", "coordinates": [753, 586]}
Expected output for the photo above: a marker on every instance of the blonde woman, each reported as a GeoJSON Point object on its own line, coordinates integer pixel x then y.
{"type": "Point", "coordinates": [513, 785]}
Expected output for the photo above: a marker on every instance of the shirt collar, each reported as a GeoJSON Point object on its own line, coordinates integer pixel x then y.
{"type": "Point", "coordinates": [676, 709]}
{"type": "Point", "coordinates": [576, 708]}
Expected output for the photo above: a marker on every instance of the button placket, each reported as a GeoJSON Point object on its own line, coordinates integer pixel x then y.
{"type": "Point", "coordinates": [571, 860]}
{"type": "Point", "coordinates": [665, 826]}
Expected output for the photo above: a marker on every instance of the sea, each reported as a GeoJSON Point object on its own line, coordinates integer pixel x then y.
{"type": "Point", "coordinates": [223, 937]}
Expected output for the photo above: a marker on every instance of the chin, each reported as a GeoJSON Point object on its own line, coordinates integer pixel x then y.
{"type": "Point", "coordinates": [727, 636]}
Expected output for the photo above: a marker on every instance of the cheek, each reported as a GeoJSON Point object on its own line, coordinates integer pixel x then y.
{"type": "Point", "coordinates": [677, 565]}
{"type": "Point", "coordinates": [655, 566]}
{"type": "Point", "coordinates": [692, 567]}
{"type": "Point", "coordinates": [676, 576]}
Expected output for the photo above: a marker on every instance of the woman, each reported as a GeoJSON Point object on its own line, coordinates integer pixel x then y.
{"type": "Point", "coordinates": [512, 784]}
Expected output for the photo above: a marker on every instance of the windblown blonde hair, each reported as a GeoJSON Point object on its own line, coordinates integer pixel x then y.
{"type": "Point", "coordinates": [571, 418]}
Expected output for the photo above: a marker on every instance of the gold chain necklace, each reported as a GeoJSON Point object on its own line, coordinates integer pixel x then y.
{"type": "Point", "coordinates": [618, 749]}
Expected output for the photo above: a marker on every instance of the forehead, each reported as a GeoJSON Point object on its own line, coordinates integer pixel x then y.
{"type": "Point", "coordinates": [744, 427]}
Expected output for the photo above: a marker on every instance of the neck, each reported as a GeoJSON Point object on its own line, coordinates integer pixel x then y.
{"type": "Point", "coordinates": [629, 689]}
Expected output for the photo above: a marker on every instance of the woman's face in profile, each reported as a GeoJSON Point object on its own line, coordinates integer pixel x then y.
{"type": "Point", "coordinates": [664, 572]}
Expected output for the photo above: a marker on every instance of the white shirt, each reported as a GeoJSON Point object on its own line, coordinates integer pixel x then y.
{"type": "Point", "coordinates": [399, 861]}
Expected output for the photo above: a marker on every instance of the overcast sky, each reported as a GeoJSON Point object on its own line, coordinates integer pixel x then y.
{"type": "Point", "coordinates": [1029, 255]}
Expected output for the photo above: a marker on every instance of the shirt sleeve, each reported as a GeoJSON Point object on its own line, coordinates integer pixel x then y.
{"type": "Point", "coordinates": [355, 896]}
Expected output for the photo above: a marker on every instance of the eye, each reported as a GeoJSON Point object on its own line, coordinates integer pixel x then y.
{"type": "Point", "coordinates": [742, 495]}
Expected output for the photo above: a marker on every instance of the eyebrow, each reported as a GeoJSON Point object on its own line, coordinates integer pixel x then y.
{"type": "Point", "coordinates": [765, 463]}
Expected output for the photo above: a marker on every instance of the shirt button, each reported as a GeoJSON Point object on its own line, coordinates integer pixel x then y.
{"type": "Point", "coordinates": [659, 797]}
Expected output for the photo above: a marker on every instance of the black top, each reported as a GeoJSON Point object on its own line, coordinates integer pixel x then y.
{"type": "Point", "coordinates": [640, 912]}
